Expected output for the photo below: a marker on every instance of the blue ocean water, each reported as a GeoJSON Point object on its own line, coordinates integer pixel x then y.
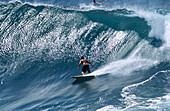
{"type": "Point", "coordinates": [128, 43]}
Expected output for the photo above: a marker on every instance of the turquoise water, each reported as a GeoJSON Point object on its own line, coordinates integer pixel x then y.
{"type": "Point", "coordinates": [127, 43]}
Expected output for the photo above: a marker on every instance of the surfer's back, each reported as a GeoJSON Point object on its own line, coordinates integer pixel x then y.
{"type": "Point", "coordinates": [84, 61]}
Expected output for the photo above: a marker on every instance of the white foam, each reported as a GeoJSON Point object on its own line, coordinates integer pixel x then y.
{"type": "Point", "coordinates": [118, 68]}
{"type": "Point", "coordinates": [131, 100]}
{"type": "Point", "coordinates": [108, 108]}
{"type": "Point", "coordinates": [160, 24]}
{"type": "Point", "coordinates": [12, 1]}
{"type": "Point", "coordinates": [91, 6]}
{"type": "Point", "coordinates": [160, 102]}
{"type": "Point", "coordinates": [88, 7]}
{"type": "Point", "coordinates": [167, 31]}
{"type": "Point", "coordinates": [156, 21]}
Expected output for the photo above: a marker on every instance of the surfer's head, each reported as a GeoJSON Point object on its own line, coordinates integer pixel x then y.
{"type": "Point", "coordinates": [81, 57]}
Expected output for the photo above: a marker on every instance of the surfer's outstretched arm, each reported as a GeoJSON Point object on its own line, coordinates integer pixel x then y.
{"type": "Point", "coordinates": [79, 65]}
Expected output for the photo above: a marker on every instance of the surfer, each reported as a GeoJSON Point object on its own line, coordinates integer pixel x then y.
{"type": "Point", "coordinates": [94, 1]}
{"type": "Point", "coordinates": [85, 65]}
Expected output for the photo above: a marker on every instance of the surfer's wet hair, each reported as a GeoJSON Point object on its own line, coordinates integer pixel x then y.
{"type": "Point", "coordinates": [82, 57]}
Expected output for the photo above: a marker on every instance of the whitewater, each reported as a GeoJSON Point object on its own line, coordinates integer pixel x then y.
{"type": "Point", "coordinates": [128, 43]}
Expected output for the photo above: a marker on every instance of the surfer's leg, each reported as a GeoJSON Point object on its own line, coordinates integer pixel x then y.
{"type": "Point", "coordinates": [82, 72]}
{"type": "Point", "coordinates": [88, 69]}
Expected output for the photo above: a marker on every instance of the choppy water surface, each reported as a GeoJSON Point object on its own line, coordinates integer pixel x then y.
{"type": "Point", "coordinates": [127, 42]}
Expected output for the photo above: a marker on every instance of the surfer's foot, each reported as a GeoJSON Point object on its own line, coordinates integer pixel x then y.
{"type": "Point", "coordinates": [82, 73]}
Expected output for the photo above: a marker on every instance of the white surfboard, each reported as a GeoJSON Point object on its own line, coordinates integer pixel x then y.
{"type": "Point", "coordinates": [83, 76]}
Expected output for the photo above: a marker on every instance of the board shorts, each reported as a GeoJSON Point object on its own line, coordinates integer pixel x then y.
{"type": "Point", "coordinates": [86, 68]}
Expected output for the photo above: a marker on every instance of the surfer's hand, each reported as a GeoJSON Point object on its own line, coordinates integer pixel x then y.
{"type": "Point", "coordinates": [78, 68]}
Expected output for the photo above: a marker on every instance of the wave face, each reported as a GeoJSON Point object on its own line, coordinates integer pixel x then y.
{"type": "Point", "coordinates": [40, 47]}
